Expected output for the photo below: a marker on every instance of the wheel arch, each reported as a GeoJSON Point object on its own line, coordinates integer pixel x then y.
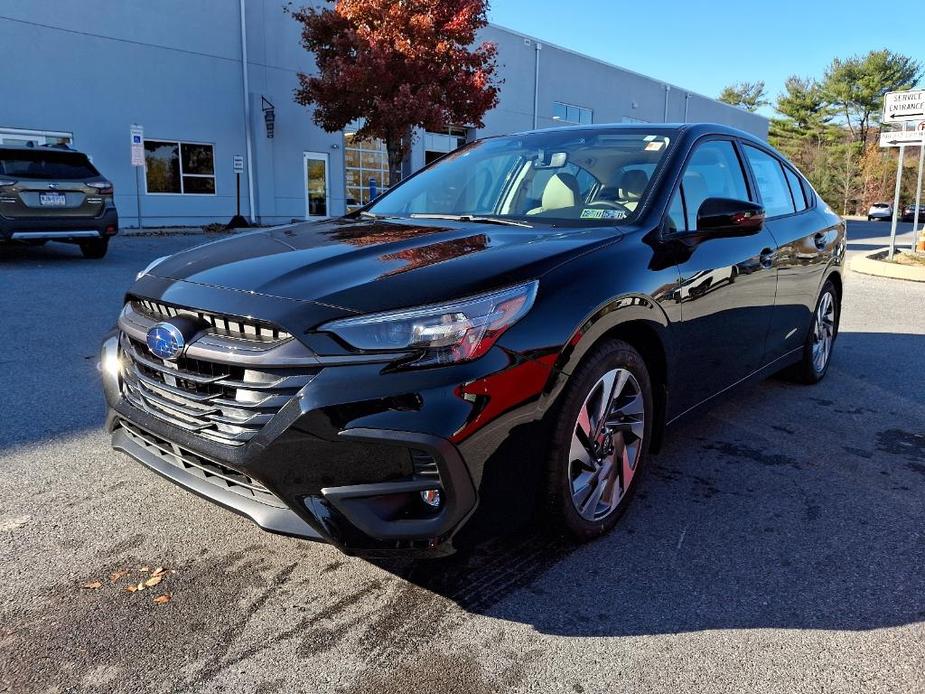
{"type": "Point", "coordinates": [639, 321]}
{"type": "Point", "coordinates": [836, 278]}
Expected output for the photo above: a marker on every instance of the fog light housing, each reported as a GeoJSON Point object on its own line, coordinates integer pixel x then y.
{"type": "Point", "coordinates": [432, 498]}
{"type": "Point", "coordinates": [110, 359]}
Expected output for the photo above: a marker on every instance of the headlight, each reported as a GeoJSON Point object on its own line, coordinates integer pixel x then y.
{"type": "Point", "coordinates": [151, 266]}
{"type": "Point", "coordinates": [446, 333]}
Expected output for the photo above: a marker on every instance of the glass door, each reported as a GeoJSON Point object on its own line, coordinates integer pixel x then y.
{"type": "Point", "coordinates": [317, 185]}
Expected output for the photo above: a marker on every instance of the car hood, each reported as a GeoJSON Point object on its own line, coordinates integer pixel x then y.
{"type": "Point", "coordinates": [374, 265]}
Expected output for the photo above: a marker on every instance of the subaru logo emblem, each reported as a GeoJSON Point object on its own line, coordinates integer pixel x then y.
{"type": "Point", "coordinates": [52, 186]}
{"type": "Point", "coordinates": [166, 341]}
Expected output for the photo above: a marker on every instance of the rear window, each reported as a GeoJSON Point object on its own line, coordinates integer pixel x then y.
{"type": "Point", "coordinates": [46, 164]}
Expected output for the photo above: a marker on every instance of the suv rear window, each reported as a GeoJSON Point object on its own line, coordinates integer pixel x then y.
{"type": "Point", "coordinates": [46, 165]}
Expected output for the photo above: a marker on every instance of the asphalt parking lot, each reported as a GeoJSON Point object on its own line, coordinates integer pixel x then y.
{"type": "Point", "coordinates": [776, 544]}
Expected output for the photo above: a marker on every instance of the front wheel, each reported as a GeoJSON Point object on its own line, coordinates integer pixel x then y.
{"type": "Point", "coordinates": [600, 440]}
{"type": "Point", "coordinates": [94, 248]}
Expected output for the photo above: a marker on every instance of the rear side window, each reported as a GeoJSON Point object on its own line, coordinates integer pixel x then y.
{"type": "Point", "coordinates": [714, 171]}
{"type": "Point", "coordinates": [46, 165]}
{"type": "Point", "coordinates": [796, 190]}
{"type": "Point", "coordinates": [772, 184]}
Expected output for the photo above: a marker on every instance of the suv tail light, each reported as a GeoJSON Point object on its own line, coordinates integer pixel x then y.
{"type": "Point", "coordinates": [102, 187]}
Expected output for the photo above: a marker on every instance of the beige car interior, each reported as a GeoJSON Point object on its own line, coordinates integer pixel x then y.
{"type": "Point", "coordinates": [632, 185]}
{"type": "Point", "coordinates": [561, 192]}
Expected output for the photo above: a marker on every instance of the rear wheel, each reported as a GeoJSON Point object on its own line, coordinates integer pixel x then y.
{"type": "Point", "coordinates": [600, 440]}
{"type": "Point", "coordinates": [94, 248]}
{"type": "Point", "coordinates": [817, 350]}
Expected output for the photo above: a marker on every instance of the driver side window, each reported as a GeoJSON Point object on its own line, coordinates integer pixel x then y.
{"type": "Point", "coordinates": [714, 171]}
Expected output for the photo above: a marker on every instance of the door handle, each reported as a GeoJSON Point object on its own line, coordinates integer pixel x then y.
{"type": "Point", "coordinates": [767, 257]}
{"type": "Point", "coordinates": [819, 240]}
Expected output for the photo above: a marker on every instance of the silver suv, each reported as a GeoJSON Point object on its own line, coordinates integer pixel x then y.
{"type": "Point", "coordinates": [54, 193]}
{"type": "Point", "coordinates": [880, 211]}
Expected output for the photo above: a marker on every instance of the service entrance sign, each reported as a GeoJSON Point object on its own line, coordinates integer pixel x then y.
{"type": "Point", "coordinates": [904, 106]}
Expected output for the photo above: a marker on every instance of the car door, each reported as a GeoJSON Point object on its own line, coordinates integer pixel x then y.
{"type": "Point", "coordinates": [806, 245]}
{"type": "Point", "coordinates": [727, 284]}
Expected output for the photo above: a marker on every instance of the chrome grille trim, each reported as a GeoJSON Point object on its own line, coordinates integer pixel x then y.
{"type": "Point", "coordinates": [204, 468]}
{"type": "Point", "coordinates": [226, 326]}
{"type": "Point", "coordinates": [425, 467]}
{"type": "Point", "coordinates": [221, 402]}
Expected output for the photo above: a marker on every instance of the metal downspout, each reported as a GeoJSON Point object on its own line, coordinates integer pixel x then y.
{"type": "Point", "coordinates": [247, 118]}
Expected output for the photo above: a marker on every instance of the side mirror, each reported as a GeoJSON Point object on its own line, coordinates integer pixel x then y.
{"type": "Point", "coordinates": [725, 217]}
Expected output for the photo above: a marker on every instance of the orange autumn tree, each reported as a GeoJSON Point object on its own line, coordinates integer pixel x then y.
{"type": "Point", "coordinates": [396, 65]}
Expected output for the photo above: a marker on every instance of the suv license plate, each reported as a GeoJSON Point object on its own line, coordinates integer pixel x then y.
{"type": "Point", "coordinates": [52, 199]}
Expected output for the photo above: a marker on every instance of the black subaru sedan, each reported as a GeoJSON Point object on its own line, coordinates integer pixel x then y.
{"type": "Point", "coordinates": [505, 336]}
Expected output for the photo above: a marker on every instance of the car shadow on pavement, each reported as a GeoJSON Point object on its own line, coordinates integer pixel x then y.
{"type": "Point", "coordinates": [789, 507]}
{"type": "Point", "coordinates": [48, 253]}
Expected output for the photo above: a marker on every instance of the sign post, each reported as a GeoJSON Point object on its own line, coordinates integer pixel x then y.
{"type": "Point", "coordinates": [918, 188]}
{"type": "Point", "coordinates": [899, 178]}
{"type": "Point", "coordinates": [238, 221]}
{"type": "Point", "coordinates": [903, 107]}
{"type": "Point", "coordinates": [137, 137]}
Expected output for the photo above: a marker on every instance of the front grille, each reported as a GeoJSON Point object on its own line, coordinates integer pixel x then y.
{"type": "Point", "coordinates": [226, 326]}
{"type": "Point", "coordinates": [203, 468]}
{"type": "Point", "coordinates": [218, 401]}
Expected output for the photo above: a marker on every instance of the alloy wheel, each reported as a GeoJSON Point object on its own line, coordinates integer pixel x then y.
{"type": "Point", "coordinates": [823, 332]}
{"type": "Point", "coordinates": [606, 444]}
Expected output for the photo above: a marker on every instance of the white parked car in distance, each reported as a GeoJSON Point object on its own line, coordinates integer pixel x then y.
{"type": "Point", "coordinates": [880, 211]}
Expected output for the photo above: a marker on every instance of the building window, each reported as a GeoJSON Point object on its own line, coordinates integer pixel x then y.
{"type": "Point", "coordinates": [436, 144]}
{"type": "Point", "coordinates": [567, 113]}
{"type": "Point", "coordinates": [179, 168]}
{"type": "Point", "coordinates": [366, 169]}
{"type": "Point", "coordinates": [16, 136]}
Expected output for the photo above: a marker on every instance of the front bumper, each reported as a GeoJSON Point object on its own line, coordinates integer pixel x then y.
{"type": "Point", "coordinates": [65, 229]}
{"type": "Point", "coordinates": [345, 460]}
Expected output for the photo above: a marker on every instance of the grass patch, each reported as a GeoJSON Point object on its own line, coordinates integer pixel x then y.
{"type": "Point", "coordinates": [914, 259]}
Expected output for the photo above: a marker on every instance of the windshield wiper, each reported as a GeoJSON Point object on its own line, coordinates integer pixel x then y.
{"type": "Point", "coordinates": [471, 218]}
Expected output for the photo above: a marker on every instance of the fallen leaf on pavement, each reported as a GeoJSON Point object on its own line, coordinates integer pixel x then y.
{"type": "Point", "coordinates": [153, 581]}
{"type": "Point", "coordinates": [116, 575]}
{"type": "Point", "coordinates": [131, 588]}
{"type": "Point", "coordinates": [93, 585]}
{"type": "Point", "coordinates": [162, 599]}
{"type": "Point", "coordinates": [144, 568]}
{"type": "Point", "coordinates": [158, 571]}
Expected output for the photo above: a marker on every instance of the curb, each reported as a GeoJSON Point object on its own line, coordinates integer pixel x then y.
{"type": "Point", "coordinates": [873, 264]}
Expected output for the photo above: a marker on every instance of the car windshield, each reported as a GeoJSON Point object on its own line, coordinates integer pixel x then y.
{"type": "Point", "coordinates": [46, 165]}
{"type": "Point", "coordinates": [561, 177]}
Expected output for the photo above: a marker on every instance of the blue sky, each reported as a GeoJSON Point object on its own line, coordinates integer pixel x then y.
{"type": "Point", "coordinates": [705, 46]}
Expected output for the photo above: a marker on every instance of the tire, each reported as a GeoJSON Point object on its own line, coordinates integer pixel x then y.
{"type": "Point", "coordinates": [95, 248]}
{"type": "Point", "coordinates": [811, 369]}
{"type": "Point", "coordinates": [616, 363]}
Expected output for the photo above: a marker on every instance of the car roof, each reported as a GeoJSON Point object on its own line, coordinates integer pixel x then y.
{"type": "Point", "coordinates": [694, 129]}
